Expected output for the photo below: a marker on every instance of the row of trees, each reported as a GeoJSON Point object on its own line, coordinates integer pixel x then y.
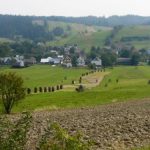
{"type": "Point", "coordinates": [44, 89]}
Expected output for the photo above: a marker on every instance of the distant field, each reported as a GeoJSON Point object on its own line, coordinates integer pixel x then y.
{"type": "Point", "coordinates": [133, 84]}
{"type": "Point", "coordinates": [45, 75]}
{"type": "Point", "coordinates": [84, 36]}
{"type": "Point", "coordinates": [141, 30]}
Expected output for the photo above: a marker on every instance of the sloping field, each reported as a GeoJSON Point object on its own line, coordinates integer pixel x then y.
{"type": "Point", "coordinates": [84, 36]}
{"type": "Point", "coordinates": [135, 31]}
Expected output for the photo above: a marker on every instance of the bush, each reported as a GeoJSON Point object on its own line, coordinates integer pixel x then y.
{"type": "Point", "coordinates": [117, 80]}
{"type": "Point", "coordinates": [53, 89]}
{"type": "Point", "coordinates": [80, 88]}
{"type": "Point", "coordinates": [73, 82]}
{"type": "Point", "coordinates": [106, 85]}
{"type": "Point", "coordinates": [61, 140]}
{"type": "Point", "coordinates": [49, 89]}
{"type": "Point", "coordinates": [28, 91]}
{"type": "Point", "coordinates": [14, 134]}
{"type": "Point", "coordinates": [109, 80]}
{"type": "Point", "coordinates": [80, 80]}
{"type": "Point", "coordinates": [40, 89]}
{"type": "Point", "coordinates": [61, 86]}
{"type": "Point", "coordinates": [35, 90]}
{"type": "Point", "coordinates": [57, 87]}
{"type": "Point", "coordinates": [45, 89]}
{"type": "Point", "coordinates": [65, 78]}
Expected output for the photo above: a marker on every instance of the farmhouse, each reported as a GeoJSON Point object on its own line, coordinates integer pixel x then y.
{"type": "Point", "coordinates": [80, 62]}
{"type": "Point", "coordinates": [67, 62]}
{"type": "Point", "coordinates": [46, 60]}
{"type": "Point", "coordinates": [97, 61]}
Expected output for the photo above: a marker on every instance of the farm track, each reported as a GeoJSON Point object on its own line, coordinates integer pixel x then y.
{"type": "Point", "coordinates": [118, 126]}
{"type": "Point", "coordinates": [89, 81]}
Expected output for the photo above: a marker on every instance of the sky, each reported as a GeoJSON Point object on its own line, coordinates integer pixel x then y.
{"type": "Point", "coordinates": [75, 7]}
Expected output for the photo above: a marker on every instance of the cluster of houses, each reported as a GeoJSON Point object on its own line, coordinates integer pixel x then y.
{"type": "Point", "coordinates": [17, 61]}
{"type": "Point", "coordinates": [67, 61]}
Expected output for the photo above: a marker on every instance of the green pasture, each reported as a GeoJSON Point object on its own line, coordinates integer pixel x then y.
{"type": "Point", "coordinates": [140, 30]}
{"type": "Point", "coordinates": [45, 75]}
{"type": "Point", "coordinates": [132, 84]}
{"type": "Point", "coordinates": [84, 36]}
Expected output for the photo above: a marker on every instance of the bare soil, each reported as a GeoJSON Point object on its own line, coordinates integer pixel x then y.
{"type": "Point", "coordinates": [118, 126]}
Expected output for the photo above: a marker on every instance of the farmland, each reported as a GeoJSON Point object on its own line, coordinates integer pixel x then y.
{"type": "Point", "coordinates": [132, 84]}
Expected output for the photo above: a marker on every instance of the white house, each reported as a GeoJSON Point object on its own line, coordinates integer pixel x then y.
{"type": "Point", "coordinates": [81, 62]}
{"type": "Point", "coordinates": [97, 61]}
{"type": "Point", "coordinates": [46, 60]}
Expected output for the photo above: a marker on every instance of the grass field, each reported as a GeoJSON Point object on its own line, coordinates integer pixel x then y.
{"type": "Point", "coordinates": [45, 75]}
{"type": "Point", "coordinates": [84, 36]}
{"type": "Point", "coordinates": [141, 30]}
{"type": "Point", "coordinates": [133, 84]}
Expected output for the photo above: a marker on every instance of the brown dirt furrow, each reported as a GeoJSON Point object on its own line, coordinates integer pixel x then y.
{"type": "Point", "coordinates": [118, 126]}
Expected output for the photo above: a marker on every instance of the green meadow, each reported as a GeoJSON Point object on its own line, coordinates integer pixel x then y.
{"type": "Point", "coordinates": [131, 31]}
{"type": "Point", "coordinates": [132, 84]}
{"type": "Point", "coordinates": [45, 75]}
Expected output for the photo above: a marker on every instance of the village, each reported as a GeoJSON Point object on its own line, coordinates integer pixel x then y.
{"type": "Point", "coordinates": [66, 60]}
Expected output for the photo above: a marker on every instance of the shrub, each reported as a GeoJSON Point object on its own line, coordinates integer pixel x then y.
{"type": "Point", "coordinates": [109, 80]}
{"type": "Point", "coordinates": [65, 78]}
{"type": "Point", "coordinates": [14, 134]}
{"type": "Point", "coordinates": [117, 80]}
{"type": "Point", "coordinates": [148, 81]}
{"type": "Point", "coordinates": [61, 86]}
{"type": "Point", "coordinates": [35, 90]}
{"type": "Point", "coordinates": [73, 82]}
{"type": "Point", "coordinates": [80, 80]}
{"type": "Point", "coordinates": [40, 89]}
{"type": "Point", "coordinates": [80, 88]}
{"type": "Point", "coordinates": [53, 89]}
{"type": "Point", "coordinates": [106, 85]}
{"type": "Point", "coordinates": [45, 89]}
{"type": "Point", "coordinates": [49, 89]}
{"type": "Point", "coordinates": [57, 87]}
{"type": "Point", "coordinates": [28, 91]}
{"type": "Point", "coordinates": [61, 140]}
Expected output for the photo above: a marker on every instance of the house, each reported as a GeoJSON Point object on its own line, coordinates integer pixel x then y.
{"type": "Point", "coordinates": [46, 60]}
{"type": "Point", "coordinates": [30, 61]}
{"type": "Point", "coordinates": [5, 60]}
{"type": "Point", "coordinates": [80, 62]}
{"type": "Point", "coordinates": [124, 61]}
{"type": "Point", "coordinates": [55, 61]}
{"type": "Point", "coordinates": [97, 61]}
{"type": "Point", "coordinates": [148, 52]}
{"type": "Point", "coordinates": [18, 62]}
{"type": "Point", "coordinates": [67, 62]}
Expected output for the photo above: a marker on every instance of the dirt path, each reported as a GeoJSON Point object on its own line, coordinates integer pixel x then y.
{"type": "Point", "coordinates": [119, 126]}
{"type": "Point", "coordinates": [89, 81]}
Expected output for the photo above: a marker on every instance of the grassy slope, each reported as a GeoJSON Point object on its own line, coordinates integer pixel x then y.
{"type": "Point", "coordinates": [45, 75]}
{"type": "Point", "coordinates": [135, 31]}
{"type": "Point", "coordinates": [132, 84]}
{"type": "Point", "coordinates": [84, 36]}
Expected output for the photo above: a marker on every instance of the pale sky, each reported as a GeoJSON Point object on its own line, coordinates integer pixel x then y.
{"type": "Point", "coordinates": [75, 7]}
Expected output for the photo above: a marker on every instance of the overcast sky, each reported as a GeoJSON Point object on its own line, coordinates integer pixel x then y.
{"type": "Point", "coordinates": [75, 7]}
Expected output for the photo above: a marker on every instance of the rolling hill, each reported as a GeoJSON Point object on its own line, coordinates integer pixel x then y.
{"type": "Point", "coordinates": [137, 36]}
